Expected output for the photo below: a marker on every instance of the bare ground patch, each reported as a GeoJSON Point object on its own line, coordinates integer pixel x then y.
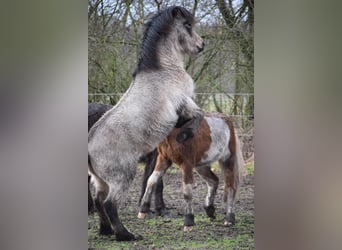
{"type": "Point", "coordinates": [167, 233]}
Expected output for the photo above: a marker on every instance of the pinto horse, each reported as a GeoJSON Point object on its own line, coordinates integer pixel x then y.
{"type": "Point", "coordinates": [214, 140]}
{"type": "Point", "coordinates": [159, 97]}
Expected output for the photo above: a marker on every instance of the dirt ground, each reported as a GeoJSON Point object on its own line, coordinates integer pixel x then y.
{"type": "Point", "coordinates": [167, 233]}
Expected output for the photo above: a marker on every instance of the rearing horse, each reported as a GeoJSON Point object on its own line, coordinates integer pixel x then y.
{"type": "Point", "coordinates": [159, 96]}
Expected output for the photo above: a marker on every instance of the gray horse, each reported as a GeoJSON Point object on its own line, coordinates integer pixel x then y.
{"type": "Point", "coordinates": [158, 99]}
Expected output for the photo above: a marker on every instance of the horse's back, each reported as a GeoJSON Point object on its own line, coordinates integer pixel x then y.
{"type": "Point", "coordinates": [209, 144]}
{"type": "Point", "coordinates": [220, 136]}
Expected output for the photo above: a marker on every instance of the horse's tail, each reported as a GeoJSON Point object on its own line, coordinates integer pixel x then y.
{"type": "Point", "coordinates": [239, 162]}
{"type": "Point", "coordinates": [239, 165]}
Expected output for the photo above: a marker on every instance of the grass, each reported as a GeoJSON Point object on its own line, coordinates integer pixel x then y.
{"type": "Point", "coordinates": [250, 168]}
{"type": "Point", "coordinates": [166, 234]}
{"type": "Point", "coordinates": [160, 233]}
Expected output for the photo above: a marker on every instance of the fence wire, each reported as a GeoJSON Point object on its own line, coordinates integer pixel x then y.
{"type": "Point", "coordinates": [210, 102]}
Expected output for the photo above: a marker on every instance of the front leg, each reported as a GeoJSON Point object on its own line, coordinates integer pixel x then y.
{"type": "Point", "coordinates": [161, 166]}
{"type": "Point", "coordinates": [150, 162]}
{"type": "Point", "coordinates": [190, 117]}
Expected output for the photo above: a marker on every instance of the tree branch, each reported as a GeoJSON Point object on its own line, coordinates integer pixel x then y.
{"type": "Point", "coordinates": [226, 13]}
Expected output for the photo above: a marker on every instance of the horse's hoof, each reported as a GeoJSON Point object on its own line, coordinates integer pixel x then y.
{"type": "Point", "coordinates": [210, 210]}
{"type": "Point", "coordinates": [189, 220]}
{"type": "Point", "coordinates": [139, 237]}
{"type": "Point", "coordinates": [142, 215]}
{"type": "Point", "coordinates": [127, 237]}
{"type": "Point", "coordinates": [164, 212]}
{"type": "Point", "coordinates": [188, 228]}
{"type": "Point", "coordinates": [230, 220]}
{"type": "Point", "coordinates": [106, 230]}
{"type": "Point", "coordinates": [228, 223]}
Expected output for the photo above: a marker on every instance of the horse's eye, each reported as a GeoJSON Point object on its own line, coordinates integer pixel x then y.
{"type": "Point", "coordinates": [188, 26]}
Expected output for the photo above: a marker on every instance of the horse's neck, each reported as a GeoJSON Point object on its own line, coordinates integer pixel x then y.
{"type": "Point", "coordinates": [170, 57]}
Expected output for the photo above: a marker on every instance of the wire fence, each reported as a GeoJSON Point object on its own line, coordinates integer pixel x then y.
{"type": "Point", "coordinates": [212, 102]}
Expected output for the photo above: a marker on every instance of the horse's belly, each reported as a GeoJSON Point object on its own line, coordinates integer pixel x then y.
{"type": "Point", "coordinates": [214, 154]}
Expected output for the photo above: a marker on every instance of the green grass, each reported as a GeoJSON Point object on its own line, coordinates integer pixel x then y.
{"type": "Point", "coordinates": [250, 169]}
{"type": "Point", "coordinates": [166, 234]}
{"type": "Point", "coordinates": [160, 233]}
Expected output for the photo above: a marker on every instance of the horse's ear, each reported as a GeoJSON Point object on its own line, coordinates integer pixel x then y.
{"type": "Point", "coordinates": [176, 12]}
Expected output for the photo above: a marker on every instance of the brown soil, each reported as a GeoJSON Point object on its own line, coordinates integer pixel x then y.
{"type": "Point", "coordinates": [154, 230]}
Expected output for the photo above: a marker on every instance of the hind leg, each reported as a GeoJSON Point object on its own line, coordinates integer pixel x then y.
{"type": "Point", "coordinates": [121, 233]}
{"type": "Point", "coordinates": [101, 192]}
{"type": "Point", "coordinates": [162, 165]}
{"type": "Point", "coordinates": [108, 193]}
{"type": "Point", "coordinates": [160, 207]}
{"type": "Point", "coordinates": [90, 199]}
{"type": "Point", "coordinates": [119, 183]}
{"type": "Point", "coordinates": [189, 220]}
{"type": "Point", "coordinates": [212, 182]}
{"type": "Point", "coordinates": [231, 183]}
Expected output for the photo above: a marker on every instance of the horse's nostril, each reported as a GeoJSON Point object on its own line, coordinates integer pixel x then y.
{"type": "Point", "coordinates": [200, 48]}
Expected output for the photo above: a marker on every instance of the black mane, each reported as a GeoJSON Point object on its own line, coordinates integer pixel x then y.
{"type": "Point", "coordinates": [157, 27]}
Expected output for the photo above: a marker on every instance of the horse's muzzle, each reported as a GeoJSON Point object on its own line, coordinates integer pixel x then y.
{"type": "Point", "coordinates": [200, 48]}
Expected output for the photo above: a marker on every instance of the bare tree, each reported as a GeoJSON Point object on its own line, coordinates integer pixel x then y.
{"type": "Point", "coordinates": [225, 66]}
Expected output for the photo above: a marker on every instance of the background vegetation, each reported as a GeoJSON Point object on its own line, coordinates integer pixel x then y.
{"type": "Point", "coordinates": [223, 73]}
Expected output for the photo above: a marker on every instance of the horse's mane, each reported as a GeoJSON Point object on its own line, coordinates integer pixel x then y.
{"type": "Point", "coordinates": [157, 27]}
